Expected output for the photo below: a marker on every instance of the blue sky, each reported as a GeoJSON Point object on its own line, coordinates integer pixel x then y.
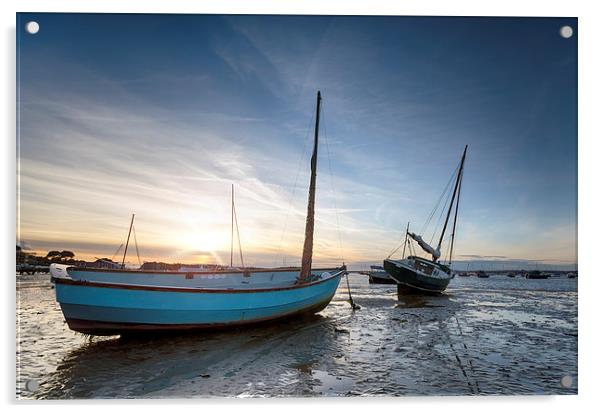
{"type": "Point", "coordinates": [159, 114]}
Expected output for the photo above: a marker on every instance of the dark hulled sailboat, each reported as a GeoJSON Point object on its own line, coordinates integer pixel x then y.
{"type": "Point", "coordinates": [428, 275]}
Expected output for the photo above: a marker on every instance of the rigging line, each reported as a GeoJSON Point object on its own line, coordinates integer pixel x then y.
{"type": "Point", "coordinates": [136, 243]}
{"type": "Point", "coordinates": [232, 226]}
{"type": "Point", "coordinates": [405, 237]}
{"type": "Point", "coordinates": [127, 242]}
{"type": "Point", "coordinates": [394, 250]}
{"type": "Point", "coordinates": [449, 194]}
{"type": "Point", "coordinates": [242, 263]}
{"type": "Point", "coordinates": [290, 201]}
{"type": "Point", "coordinates": [439, 201]}
{"type": "Point", "coordinates": [334, 195]}
{"type": "Point", "coordinates": [117, 252]}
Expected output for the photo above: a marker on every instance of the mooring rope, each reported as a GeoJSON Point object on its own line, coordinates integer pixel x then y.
{"type": "Point", "coordinates": [354, 306]}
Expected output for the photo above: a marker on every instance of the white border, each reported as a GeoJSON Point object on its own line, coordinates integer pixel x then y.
{"type": "Point", "coordinates": [590, 70]}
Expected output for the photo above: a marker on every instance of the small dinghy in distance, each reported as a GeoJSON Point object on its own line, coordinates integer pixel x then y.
{"type": "Point", "coordinates": [378, 275]}
{"type": "Point", "coordinates": [109, 302]}
{"type": "Point", "coordinates": [422, 275]}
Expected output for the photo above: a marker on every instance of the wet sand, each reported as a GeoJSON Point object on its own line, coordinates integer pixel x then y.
{"type": "Point", "coordinates": [483, 336]}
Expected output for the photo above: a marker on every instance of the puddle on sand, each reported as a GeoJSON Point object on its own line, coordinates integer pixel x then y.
{"type": "Point", "coordinates": [332, 385]}
{"type": "Point", "coordinates": [323, 383]}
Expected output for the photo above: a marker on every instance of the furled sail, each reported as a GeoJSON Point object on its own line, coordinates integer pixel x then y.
{"type": "Point", "coordinates": [426, 247]}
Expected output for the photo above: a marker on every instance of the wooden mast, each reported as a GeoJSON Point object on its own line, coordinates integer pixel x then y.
{"type": "Point", "coordinates": [453, 235]}
{"type": "Point", "coordinates": [127, 242]}
{"type": "Point", "coordinates": [451, 204]}
{"type": "Point", "coordinates": [242, 262]}
{"type": "Point", "coordinates": [232, 227]}
{"type": "Point", "coordinates": [309, 223]}
{"type": "Point", "coordinates": [405, 242]}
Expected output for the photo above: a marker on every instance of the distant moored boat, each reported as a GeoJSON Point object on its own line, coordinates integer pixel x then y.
{"type": "Point", "coordinates": [537, 275]}
{"type": "Point", "coordinates": [378, 275]}
{"type": "Point", "coordinates": [482, 274]}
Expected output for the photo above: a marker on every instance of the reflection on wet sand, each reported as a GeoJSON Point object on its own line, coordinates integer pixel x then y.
{"type": "Point", "coordinates": [476, 338]}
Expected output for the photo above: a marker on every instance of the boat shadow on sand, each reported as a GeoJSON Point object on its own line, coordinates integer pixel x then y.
{"type": "Point", "coordinates": [427, 309]}
{"type": "Point", "coordinates": [414, 300]}
{"type": "Point", "coordinates": [139, 365]}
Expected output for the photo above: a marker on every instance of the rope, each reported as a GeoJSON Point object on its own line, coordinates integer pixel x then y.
{"type": "Point", "coordinates": [395, 250]}
{"type": "Point", "coordinates": [290, 201]}
{"type": "Point", "coordinates": [354, 306]}
{"type": "Point", "coordinates": [449, 194]}
{"type": "Point", "coordinates": [117, 252]}
{"type": "Point", "coordinates": [136, 243]}
{"type": "Point", "coordinates": [334, 195]}
{"type": "Point", "coordinates": [399, 244]}
{"type": "Point", "coordinates": [439, 201]}
{"type": "Point", "coordinates": [242, 263]}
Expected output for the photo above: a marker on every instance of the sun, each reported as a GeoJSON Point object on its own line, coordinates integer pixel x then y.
{"type": "Point", "coordinates": [204, 241]}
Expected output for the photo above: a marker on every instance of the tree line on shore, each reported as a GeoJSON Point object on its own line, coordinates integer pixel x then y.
{"type": "Point", "coordinates": [54, 256]}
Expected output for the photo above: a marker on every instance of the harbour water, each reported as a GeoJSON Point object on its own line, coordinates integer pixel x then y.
{"type": "Point", "coordinates": [483, 336]}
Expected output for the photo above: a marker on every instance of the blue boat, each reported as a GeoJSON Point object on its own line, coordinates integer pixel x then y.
{"type": "Point", "coordinates": [117, 301]}
{"type": "Point", "coordinates": [108, 302]}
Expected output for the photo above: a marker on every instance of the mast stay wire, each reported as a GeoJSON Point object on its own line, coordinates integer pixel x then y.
{"type": "Point", "coordinates": [117, 252]}
{"type": "Point", "coordinates": [445, 190]}
{"type": "Point", "coordinates": [291, 198]}
{"type": "Point", "coordinates": [334, 195]}
{"type": "Point", "coordinates": [242, 263]}
{"type": "Point", "coordinates": [136, 243]}
{"type": "Point", "coordinates": [449, 194]}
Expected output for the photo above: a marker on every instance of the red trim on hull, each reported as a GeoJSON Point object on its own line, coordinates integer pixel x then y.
{"type": "Point", "coordinates": [83, 283]}
{"type": "Point", "coordinates": [103, 328]}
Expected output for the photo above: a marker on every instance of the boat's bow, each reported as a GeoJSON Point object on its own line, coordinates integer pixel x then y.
{"type": "Point", "coordinates": [59, 271]}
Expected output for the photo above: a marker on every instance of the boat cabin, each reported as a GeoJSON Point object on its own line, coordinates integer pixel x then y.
{"type": "Point", "coordinates": [427, 266]}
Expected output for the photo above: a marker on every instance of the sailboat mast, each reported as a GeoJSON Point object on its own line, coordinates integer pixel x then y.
{"type": "Point", "coordinates": [308, 245]}
{"type": "Point", "coordinates": [127, 242]}
{"type": "Point", "coordinates": [232, 227]}
{"type": "Point", "coordinates": [451, 204]}
{"type": "Point", "coordinates": [405, 242]}
{"type": "Point", "coordinates": [242, 262]}
{"type": "Point", "coordinates": [453, 235]}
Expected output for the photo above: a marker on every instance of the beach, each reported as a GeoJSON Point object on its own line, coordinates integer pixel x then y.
{"type": "Point", "coordinates": [481, 337]}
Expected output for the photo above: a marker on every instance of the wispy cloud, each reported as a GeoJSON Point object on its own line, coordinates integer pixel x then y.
{"type": "Point", "coordinates": [165, 137]}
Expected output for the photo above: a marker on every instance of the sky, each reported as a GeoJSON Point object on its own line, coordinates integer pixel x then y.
{"type": "Point", "coordinates": [159, 115]}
